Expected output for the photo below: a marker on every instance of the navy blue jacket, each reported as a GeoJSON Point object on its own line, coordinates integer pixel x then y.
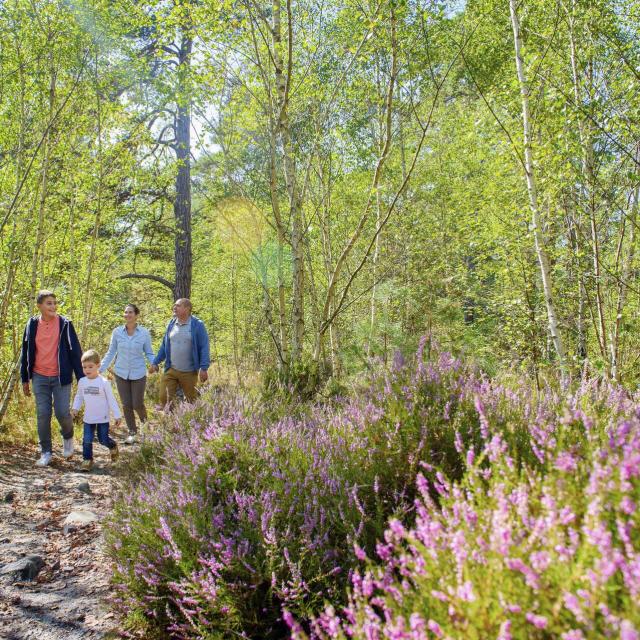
{"type": "Point", "coordinates": [69, 351]}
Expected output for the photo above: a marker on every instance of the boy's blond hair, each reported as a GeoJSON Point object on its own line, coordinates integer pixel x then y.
{"type": "Point", "coordinates": [91, 356]}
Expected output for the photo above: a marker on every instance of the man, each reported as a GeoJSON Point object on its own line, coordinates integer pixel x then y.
{"type": "Point", "coordinates": [185, 348]}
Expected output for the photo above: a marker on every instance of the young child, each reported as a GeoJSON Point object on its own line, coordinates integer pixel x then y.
{"type": "Point", "coordinates": [96, 394]}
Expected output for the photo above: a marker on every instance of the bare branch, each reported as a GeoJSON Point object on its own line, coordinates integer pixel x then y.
{"type": "Point", "coordinates": [148, 276]}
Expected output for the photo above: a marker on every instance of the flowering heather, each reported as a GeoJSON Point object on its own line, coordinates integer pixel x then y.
{"type": "Point", "coordinates": [545, 549]}
{"type": "Point", "coordinates": [434, 504]}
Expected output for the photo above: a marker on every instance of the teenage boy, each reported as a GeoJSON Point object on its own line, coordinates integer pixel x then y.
{"type": "Point", "coordinates": [50, 356]}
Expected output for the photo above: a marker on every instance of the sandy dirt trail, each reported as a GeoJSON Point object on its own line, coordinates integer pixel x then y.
{"type": "Point", "coordinates": [54, 575]}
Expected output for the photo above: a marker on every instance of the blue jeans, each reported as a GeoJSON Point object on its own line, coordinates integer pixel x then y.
{"type": "Point", "coordinates": [90, 434]}
{"type": "Point", "coordinates": [48, 391]}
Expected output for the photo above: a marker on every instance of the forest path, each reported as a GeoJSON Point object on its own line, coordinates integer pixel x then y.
{"type": "Point", "coordinates": [67, 598]}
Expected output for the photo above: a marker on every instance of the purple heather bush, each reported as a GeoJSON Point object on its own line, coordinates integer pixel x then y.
{"type": "Point", "coordinates": [433, 503]}
{"type": "Point", "coordinates": [543, 550]}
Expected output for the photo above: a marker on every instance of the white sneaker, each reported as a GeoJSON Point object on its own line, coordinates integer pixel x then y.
{"type": "Point", "coordinates": [131, 439]}
{"type": "Point", "coordinates": [67, 448]}
{"type": "Point", "coordinates": [45, 459]}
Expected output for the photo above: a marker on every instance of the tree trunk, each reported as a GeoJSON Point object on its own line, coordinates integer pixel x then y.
{"type": "Point", "coordinates": [327, 255]}
{"type": "Point", "coordinates": [533, 194]}
{"type": "Point", "coordinates": [182, 202]}
{"type": "Point", "coordinates": [586, 143]}
{"type": "Point", "coordinates": [88, 293]}
{"type": "Point", "coordinates": [283, 82]}
{"type": "Point", "coordinates": [576, 273]}
{"type": "Point", "coordinates": [234, 319]}
{"type": "Point", "coordinates": [378, 133]}
{"type": "Point", "coordinates": [13, 259]}
{"type": "Point", "coordinates": [627, 270]}
{"type": "Point", "coordinates": [275, 205]}
{"type": "Point", "coordinates": [44, 185]}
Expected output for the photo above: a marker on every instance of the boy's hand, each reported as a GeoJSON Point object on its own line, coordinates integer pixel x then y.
{"type": "Point", "coordinates": [118, 422]}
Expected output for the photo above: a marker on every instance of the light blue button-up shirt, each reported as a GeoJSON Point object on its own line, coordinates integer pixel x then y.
{"type": "Point", "coordinates": [129, 352]}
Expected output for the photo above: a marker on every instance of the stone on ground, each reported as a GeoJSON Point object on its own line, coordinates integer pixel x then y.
{"type": "Point", "coordinates": [77, 519]}
{"type": "Point", "coordinates": [23, 569]}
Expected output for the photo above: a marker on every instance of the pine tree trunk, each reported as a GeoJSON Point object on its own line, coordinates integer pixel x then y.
{"type": "Point", "coordinates": [182, 202]}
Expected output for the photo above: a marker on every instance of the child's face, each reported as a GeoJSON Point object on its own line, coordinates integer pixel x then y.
{"type": "Point", "coordinates": [48, 306]}
{"type": "Point", "coordinates": [90, 369]}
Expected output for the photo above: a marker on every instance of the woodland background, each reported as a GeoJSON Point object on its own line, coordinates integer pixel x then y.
{"type": "Point", "coordinates": [327, 180]}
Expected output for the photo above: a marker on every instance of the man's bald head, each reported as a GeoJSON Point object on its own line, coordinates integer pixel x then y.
{"type": "Point", "coordinates": [182, 308]}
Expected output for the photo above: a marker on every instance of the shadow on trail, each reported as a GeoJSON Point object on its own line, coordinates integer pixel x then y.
{"type": "Point", "coordinates": [67, 599]}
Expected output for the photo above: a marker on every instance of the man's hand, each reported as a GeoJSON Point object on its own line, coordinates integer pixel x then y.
{"type": "Point", "coordinates": [26, 389]}
{"type": "Point", "coordinates": [203, 375]}
{"type": "Point", "coordinates": [153, 368]}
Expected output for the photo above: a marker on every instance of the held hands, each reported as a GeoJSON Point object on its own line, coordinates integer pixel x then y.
{"type": "Point", "coordinates": [26, 389]}
{"type": "Point", "coordinates": [117, 422]}
{"type": "Point", "coordinates": [153, 368]}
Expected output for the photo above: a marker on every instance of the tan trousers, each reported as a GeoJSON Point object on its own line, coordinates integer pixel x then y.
{"type": "Point", "coordinates": [172, 379]}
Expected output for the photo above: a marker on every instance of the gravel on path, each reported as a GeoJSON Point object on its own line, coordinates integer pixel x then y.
{"type": "Point", "coordinates": [66, 598]}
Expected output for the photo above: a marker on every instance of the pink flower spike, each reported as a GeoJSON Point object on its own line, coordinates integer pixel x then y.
{"type": "Point", "coordinates": [628, 632]}
{"type": "Point", "coordinates": [505, 631]}
{"type": "Point", "coordinates": [539, 622]}
{"type": "Point", "coordinates": [434, 627]}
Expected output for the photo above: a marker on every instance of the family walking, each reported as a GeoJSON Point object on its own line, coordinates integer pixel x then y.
{"type": "Point", "coordinates": [51, 355]}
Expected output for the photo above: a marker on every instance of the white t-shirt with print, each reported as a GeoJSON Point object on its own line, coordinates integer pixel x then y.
{"type": "Point", "coordinates": [98, 399]}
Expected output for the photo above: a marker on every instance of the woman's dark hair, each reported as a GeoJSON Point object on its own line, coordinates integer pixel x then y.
{"type": "Point", "coordinates": [133, 306]}
{"type": "Point", "coordinates": [43, 294]}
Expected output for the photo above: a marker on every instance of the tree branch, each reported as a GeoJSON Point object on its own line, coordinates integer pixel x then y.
{"type": "Point", "coordinates": [148, 276]}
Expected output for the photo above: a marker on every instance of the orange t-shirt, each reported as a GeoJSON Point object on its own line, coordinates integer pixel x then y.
{"type": "Point", "coordinates": [47, 338]}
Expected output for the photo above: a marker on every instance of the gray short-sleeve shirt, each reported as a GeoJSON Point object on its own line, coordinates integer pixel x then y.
{"type": "Point", "coordinates": [181, 347]}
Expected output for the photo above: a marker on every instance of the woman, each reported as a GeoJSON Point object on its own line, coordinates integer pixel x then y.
{"type": "Point", "coordinates": [50, 356]}
{"type": "Point", "coordinates": [130, 344]}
